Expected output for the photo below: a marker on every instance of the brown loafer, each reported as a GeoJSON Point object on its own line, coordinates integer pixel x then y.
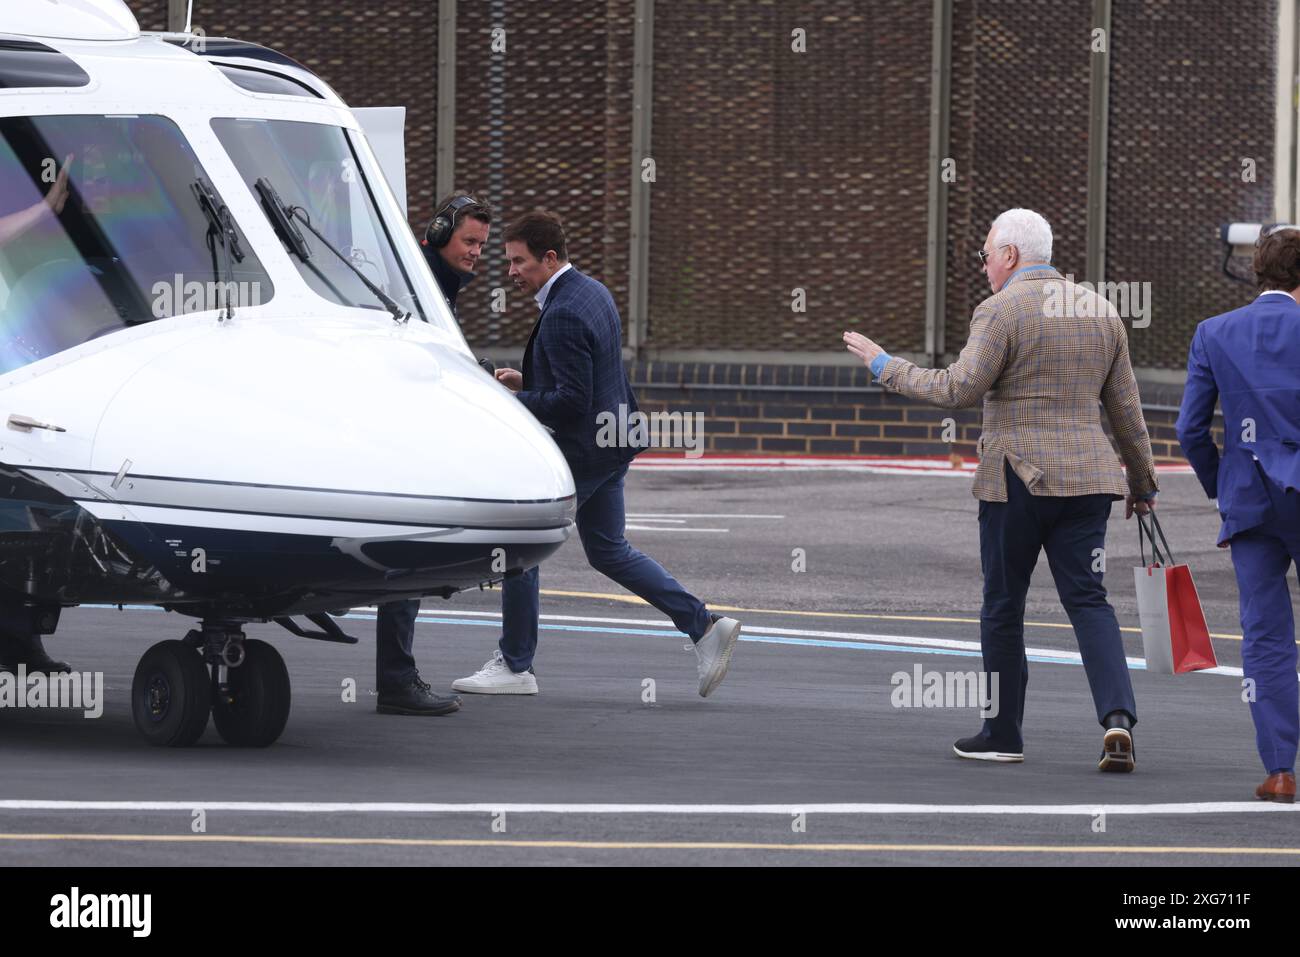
{"type": "Point", "coordinates": [1117, 751]}
{"type": "Point", "coordinates": [1277, 787]}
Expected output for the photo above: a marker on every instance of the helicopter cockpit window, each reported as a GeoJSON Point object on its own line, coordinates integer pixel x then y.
{"type": "Point", "coordinates": [314, 170]}
{"type": "Point", "coordinates": [100, 229]}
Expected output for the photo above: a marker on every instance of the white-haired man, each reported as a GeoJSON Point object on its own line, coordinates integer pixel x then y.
{"type": "Point", "coordinates": [1047, 474]}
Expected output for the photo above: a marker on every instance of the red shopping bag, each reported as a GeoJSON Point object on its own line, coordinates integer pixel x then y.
{"type": "Point", "coordinates": [1175, 637]}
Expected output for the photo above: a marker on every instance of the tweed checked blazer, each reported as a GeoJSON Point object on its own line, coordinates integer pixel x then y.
{"type": "Point", "coordinates": [1042, 354]}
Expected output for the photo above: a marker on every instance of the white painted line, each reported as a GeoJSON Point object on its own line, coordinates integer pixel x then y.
{"type": "Point", "coordinates": [395, 807]}
{"type": "Point", "coordinates": [672, 515]}
{"type": "Point", "coordinates": [872, 641]}
{"type": "Point", "coordinates": [757, 633]}
{"type": "Point", "coordinates": [660, 528]}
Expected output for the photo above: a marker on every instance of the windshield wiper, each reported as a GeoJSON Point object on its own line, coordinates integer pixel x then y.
{"type": "Point", "coordinates": [282, 216]}
{"type": "Point", "coordinates": [220, 223]}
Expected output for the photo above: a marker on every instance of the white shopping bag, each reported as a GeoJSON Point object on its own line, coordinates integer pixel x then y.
{"type": "Point", "coordinates": [1153, 612]}
{"type": "Point", "coordinates": [1175, 637]}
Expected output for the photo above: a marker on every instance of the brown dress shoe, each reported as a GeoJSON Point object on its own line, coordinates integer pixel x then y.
{"type": "Point", "coordinates": [1277, 787]}
{"type": "Point", "coordinates": [1117, 750]}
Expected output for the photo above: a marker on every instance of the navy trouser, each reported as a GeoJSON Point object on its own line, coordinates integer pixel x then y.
{"type": "Point", "coordinates": [394, 637]}
{"type": "Point", "coordinates": [600, 523]}
{"type": "Point", "coordinates": [1072, 529]}
{"type": "Point", "coordinates": [1262, 557]}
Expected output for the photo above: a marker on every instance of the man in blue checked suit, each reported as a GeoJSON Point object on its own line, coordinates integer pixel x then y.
{"type": "Point", "coordinates": [573, 379]}
{"type": "Point", "coordinates": [1249, 361]}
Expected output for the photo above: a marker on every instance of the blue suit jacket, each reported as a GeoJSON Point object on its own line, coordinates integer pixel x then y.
{"type": "Point", "coordinates": [573, 372]}
{"type": "Point", "coordinates": [1248, 359]}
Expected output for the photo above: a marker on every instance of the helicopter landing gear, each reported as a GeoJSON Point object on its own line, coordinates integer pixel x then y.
{"type": "Point", "coordinates": [243, 683]}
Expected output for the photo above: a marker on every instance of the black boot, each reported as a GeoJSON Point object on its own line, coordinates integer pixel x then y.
{"type": "Point", "coordinates": [10, 653]}
{"type": "Point", "coordinates": [31, 652]}
{"type": "Point", "coordinates": [416, 698]}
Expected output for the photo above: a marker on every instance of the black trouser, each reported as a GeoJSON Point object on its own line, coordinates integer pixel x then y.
{"type": "Point", "coordinates": [1073, 531]}
{"type": "Point", "coordinates": [11, 649]}
{"type": "Point", "coordinates": [394, 637]}
{"type": "Point", "coordinates": [18, 648]}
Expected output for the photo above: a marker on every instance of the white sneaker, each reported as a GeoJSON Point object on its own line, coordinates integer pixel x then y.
{"type": "Point", "coordinates": [495, 677]}
{"type": "Point", "coordinates": [713, 653]}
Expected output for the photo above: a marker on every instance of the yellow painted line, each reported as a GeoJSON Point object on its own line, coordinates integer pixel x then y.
{"type": "Point", "coordinates": [648, 845]}
{"type": "Point", "coordinates": [634, 600]}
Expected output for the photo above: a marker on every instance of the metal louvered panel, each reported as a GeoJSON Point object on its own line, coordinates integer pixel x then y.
{"type": "Point", "coordinates": [1019, 135]}
{"type": "Point", "coordinates": [545, 123]}
{"type": "Point", "coordinates": [780, 170]}
{"type": "Point", "coordinates": [1192, 95]}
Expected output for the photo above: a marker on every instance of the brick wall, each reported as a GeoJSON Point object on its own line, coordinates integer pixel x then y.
{"type": "Point", "coordinates": [1191, 97]}
{"type": "Point", "coordinates": [779, 170]}
{"type": "Point", "coordinates": [825, 410]}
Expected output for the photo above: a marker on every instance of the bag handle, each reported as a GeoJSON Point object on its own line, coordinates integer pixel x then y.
{"type": "Point", "coordinates": [1164, 558]}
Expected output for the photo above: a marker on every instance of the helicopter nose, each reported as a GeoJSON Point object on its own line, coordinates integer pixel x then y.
{"type": "Point", "coordinates": [404, 425]}
{"type": "Point", "coordinates": [423, 416]}
{"type": "Point", "coordinates": [476, 436]}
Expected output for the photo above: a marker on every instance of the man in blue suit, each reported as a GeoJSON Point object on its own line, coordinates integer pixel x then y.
{"type": "Point", "coordinates": [1249, 360]}
{"type": "Point", "coordinates": [573, 378]}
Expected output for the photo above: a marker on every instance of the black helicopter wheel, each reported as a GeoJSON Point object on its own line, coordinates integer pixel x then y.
{"type": "Point", "coordinates": [252, 708]}
{"type": "Point", "coordinates": [171, 695]}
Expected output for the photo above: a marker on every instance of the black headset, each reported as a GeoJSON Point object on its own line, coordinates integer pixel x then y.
{"type": "Point", "coordinates": [444, 224]}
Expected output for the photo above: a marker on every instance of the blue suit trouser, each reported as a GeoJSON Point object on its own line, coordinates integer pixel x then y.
{"type": "Point", "coordinates": [394, 643]}
{"type": "Point", "coordinates": [1072, 530]}
{"type": "Point", "coordinates": [600, 521]}
{"type": "Point", "coordinates": [1262, 557]}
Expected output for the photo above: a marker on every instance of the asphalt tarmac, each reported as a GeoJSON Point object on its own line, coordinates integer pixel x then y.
{"type": "Point", "coordinates": [842, 581]}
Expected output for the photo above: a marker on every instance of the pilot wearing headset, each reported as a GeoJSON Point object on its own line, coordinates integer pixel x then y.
{"type": "Point", "coordinates": [455, 240]}
{"type": "Point", "coordinates": [452, 244]}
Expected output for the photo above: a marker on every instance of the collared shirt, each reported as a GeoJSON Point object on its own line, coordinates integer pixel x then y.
{"type": "Point", "coordinates": [1024, 269]}
{"type": "Point", "coordinates": [545, 291]}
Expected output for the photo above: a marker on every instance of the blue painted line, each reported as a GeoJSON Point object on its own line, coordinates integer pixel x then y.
{"type": "Point", "coordinates": [761, 638]}
{"type": "Point", "coordinates": [663, 633]}
{"type": "Point", "coordinates": [124, 607]}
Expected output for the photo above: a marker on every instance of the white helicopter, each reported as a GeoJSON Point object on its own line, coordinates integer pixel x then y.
{"type": "Point", "coordinates": [229, 385]}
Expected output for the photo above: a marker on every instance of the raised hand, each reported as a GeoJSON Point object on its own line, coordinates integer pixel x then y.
{"type": "Point", "coordinates": [58, 194]}
{"type": "Point", "coordinates": [861, 346]}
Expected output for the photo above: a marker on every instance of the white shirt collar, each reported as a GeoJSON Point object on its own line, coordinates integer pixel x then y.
{"type": "Point", "coordinates": [545, 291]}
{"type": "Point", "coordinates": [1275, 292]}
